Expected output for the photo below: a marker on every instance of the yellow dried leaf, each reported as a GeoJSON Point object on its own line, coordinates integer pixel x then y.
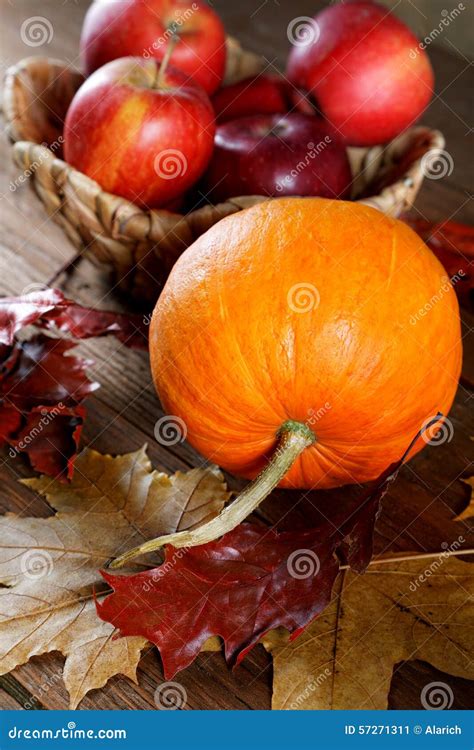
{"type": "Point", "coordinates": [50, 566]}
{"type": "Point", "coordinates": [406, 610]}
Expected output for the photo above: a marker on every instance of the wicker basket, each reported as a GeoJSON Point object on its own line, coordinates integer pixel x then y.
{"type": "Point", "coordinates": [139, 246]}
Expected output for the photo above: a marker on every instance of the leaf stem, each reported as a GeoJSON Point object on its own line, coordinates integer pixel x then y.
{"type": "Point", "coordinates": [294, 438]}
{"type": "Point", "coordinates": [414, 556]}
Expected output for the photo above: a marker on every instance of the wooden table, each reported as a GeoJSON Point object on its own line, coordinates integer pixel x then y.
{"type": "Point", "coordinates": [418, 513]}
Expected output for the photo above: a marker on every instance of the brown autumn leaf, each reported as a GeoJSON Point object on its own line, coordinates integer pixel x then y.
{"type": "Point", "coordinates": [398, 612]}
{"type": "Point", "coordinates": [49, 567]}
{"type": "Point", "coordinates": [468, 511]}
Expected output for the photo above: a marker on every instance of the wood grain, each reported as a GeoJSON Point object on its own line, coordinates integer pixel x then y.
{"type": "Point", "coordinates": [418, 513]}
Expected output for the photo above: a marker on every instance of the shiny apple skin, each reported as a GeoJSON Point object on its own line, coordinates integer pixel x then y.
{"type": "Point", "coordinates": [122, 28]}
{"type": "Point", "coordinates": [145, 141]}
{"type": "Point", "coordinates": [277, 155]}
{"type": "Point", "coordinates": [367, 71]}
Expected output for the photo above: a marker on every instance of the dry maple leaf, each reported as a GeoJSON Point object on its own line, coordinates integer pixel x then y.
{"type": "Point", "coordinates": [468, 511]}
{"type": "Point", "coordinates": [50, 566]}
{"type": "Point", "coordinates": [394, 613]}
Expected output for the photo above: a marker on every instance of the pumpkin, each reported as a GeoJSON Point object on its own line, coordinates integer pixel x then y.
{"type": "Point", "coordinates": [304, 342]}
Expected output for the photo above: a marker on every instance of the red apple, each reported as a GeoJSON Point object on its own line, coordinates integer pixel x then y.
{"type": "Point", "coordinates": [366, 69]}
{"type": "Point", "coordinates": [264, 94]}
{"type": "Point", "coordinates": [119, 28]}
{"type": "Point", "coordinates": [140, 131]}
{"type": "Point", "coordinates": [259, 95]}
{"type": "Point", "coordinates": [276, 155]}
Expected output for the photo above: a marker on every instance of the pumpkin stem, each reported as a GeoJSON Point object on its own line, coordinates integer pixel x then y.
{"type": "Point", "coordinates": [294, 438]}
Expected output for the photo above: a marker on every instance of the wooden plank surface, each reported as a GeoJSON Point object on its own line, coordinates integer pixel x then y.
{"type": "Point", "coordinates": [418, 512]}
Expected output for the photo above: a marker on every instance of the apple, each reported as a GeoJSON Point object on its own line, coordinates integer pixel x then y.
{"type": "Point", "coordinates": [263, 94]}
{"type": "Point", "coordinates": [121, 28]}
{"type": "Point", "coordinates": [259, 95]}
{"type": "Point", "coordinates": [277, 155]}
{"type": "Point", "coordinates": [366, 69]}
{"type": "Point", "coordinates": [142, 130]}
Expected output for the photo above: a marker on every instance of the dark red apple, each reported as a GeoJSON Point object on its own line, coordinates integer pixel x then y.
{"type": "Point", "coordinates": [143, 133]}
{"type": "Point", "coordinates": [276, 155]}
{"type": "Point", "coordinates": [120, 28]}
{"type": "Point", "coordinates": [366, 69]}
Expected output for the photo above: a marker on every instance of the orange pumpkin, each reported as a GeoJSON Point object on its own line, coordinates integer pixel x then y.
{"type": "Point", "coordinates": [326, 318]}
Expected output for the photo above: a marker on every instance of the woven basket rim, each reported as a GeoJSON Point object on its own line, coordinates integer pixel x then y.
{"type": "Point", "coordinates": [435, 141]}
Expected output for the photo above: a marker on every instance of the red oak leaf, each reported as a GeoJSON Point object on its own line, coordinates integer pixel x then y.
{"type": "Point", "coordinates": [18, 312]}
{"type": "Point", "coordinates": [243, 585]}
{"type": "Point", "coordinates": [82, 322]}
{"type": "Point", "coordinates": [41, 390]}
{"type": "Point", "coordinates": [51, 437]}
{"type": "Point", "coordinates": [44, 376]}
{"type": "Point", "coordinates": [42, 386]}
{"type": "Point", "coordinates": [51, 308]}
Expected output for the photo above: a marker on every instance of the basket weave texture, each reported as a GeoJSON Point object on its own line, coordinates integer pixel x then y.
{"type": "Point", "coordinates": [140, 246]}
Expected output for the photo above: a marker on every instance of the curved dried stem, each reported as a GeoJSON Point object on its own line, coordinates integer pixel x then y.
{"type": "Point", "coordinates": [294, 438]}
